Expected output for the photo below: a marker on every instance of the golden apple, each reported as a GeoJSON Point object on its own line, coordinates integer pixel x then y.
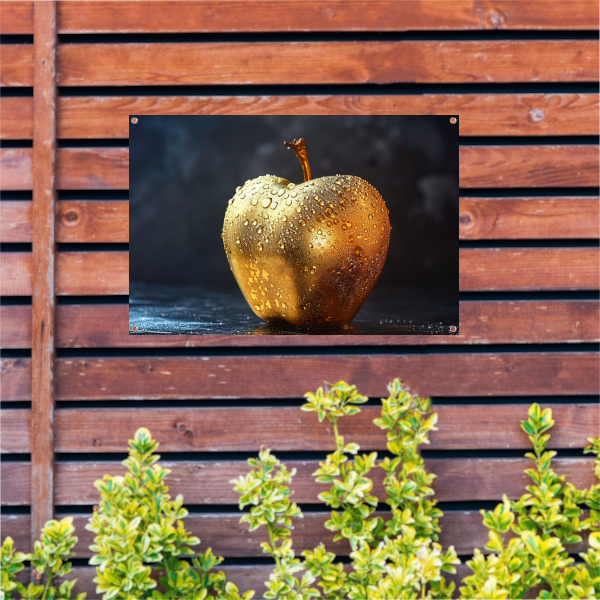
{"type": "Point", "coordinates": [307, 253]}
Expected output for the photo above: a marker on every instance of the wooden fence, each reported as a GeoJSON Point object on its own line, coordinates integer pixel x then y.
{"type": "Point", "coordinates": [522, 75]}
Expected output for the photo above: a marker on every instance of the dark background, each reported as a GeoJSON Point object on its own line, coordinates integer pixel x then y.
{"type": "Point", "coordinates": [184, 169]}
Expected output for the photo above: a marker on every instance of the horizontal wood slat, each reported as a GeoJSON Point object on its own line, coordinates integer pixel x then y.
{"type": "Point", "coordinates": [92, 221]}
{"type": "Point", "coordinates": [76, 221]}
{"type": "Point", "coordinates": [268, 63]}
{"type": "Point", "coordinates": [480, 114]}
{"type": "Point", "coordinates": [227, 537]}
{"type": "Point", "coordinates": [480, 166]}
{"type": "Point", "coordinates": [302, 15]}
{"type": "Point", "coordinates": [481, 322]}
{"type": "Point", "coordinates": [15, 221]}
{"type": "Point", "coordinates": [16, 431]}
{"type": "Point", "coordinates": [528, 218]}
{"type": "Point", "coordinates": [458, 479]}
{"type": "Point", "coordinates": [77, 273]}
{"type": "Point", "coordinates": [289, 428]}
{"type": "Point", "coordinates": [528, 166]}
{"type": "Point", "coordinates": [287, 377]}
{"type": "Point", "coordinates": [16, 379]}
{"type": "Point", "coordinates": [16, 114]}
{"type": "Point", "coordinates": [17, 65]}
{"type": "Point", "coordinates": [501, 269]}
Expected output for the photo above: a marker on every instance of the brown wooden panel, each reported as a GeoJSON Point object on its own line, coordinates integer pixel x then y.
{"type": "Point", "coordinates": [15, 168]}
{"type": "Point", "coordinates": [16, 17]}
{"type": "Point", "coordinates": [16, 326]}
{"type": "Point", "coordinates": [92, 273]}
{"type": "Point", "coordinates": [528, 218]}
{"type": "Point", "coordinates": [314, 15]}
{"type": "Point", "coordinates": [289, 428]}
{"type": "Point", "coordinates": [458, 479]}
{"type": "Point", "coordinates": [92, 168]}
{"type": "Point", "coordinates": [491, 322]}
{"type": "Point", "coordinates": [15, 221]}
{"type": "Point", "coordinates": [17, 65]}
{"type": "Point", "coordinates": [77, 273]}
{"type": "Point", "coordinates": [15, 274]}
{"type": "Point", "coordinates": [92, 221]}
{"type": "Point", "coordinates": [480, 114]}
{"type": "Point", "coordinates": [528, 269]}
{"type": "Point", "coordinates": [528, 166]}
{"type": "Point", "coordinates": [16, 379]}
{"type": "Point", "coordinates": [16, 114]}
{"type": "Point", "coordinates": [16, 431]}
{"type": "Point", "coordinates": [209, 63]}
{"type": "Point", "coordinates": [16, 483]}
{"type": "Point", "coordinates": [509, 373]}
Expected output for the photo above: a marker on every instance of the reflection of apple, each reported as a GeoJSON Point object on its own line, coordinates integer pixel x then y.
{"type": "Point", "coordinates": [309, 254]}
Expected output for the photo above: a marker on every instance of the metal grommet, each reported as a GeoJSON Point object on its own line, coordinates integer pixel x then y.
{"type": "Point", "coordinates": [134, 120]}
{"type": "Point", "coordinates": [453, 120]}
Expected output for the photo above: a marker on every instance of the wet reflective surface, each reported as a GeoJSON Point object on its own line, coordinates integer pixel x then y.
{"type": "Point", "coordinates": [188, 309]}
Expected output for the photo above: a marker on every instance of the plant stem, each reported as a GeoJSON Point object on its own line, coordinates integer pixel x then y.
{"type": "Point", "coordinates": [299, 147]}
{"type": "Point", "coordinates": [277, 561]}
{"type": "Point", "coordinates": [47, 586]}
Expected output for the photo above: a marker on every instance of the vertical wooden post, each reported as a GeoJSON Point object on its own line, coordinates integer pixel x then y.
{"type": "Point", "coordinates": [44, 200]}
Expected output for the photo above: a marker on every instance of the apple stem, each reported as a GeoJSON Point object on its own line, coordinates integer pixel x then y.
{"type": "Point", "coordinates": [299, 147]}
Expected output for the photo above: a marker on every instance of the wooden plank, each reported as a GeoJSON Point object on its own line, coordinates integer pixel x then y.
{"type": "Point", "coordinates": [16, 326]}
{"type": "Point", "coordinates": [528, 218]}
{"type": "Point", "coordinates": [16, 431]}
{"type": "Point", "coordinates": [93, 168]}
{"type": "Point", "coordinates": [15, 478]}
{"type": "Point", "coordinates": [76, 221]}
{"type": "Point", "coordinates": [529, 166]}
{"type": "Point", "coordinates": [16, 114]}
{"type": "Point", "coordinates": [480, 114]}
{"type": "Point", "coordinates": [458, 479]}
{"type": "Point", "coordinates": [77, 273]}
{"type": "Point", "coordinates": [92, 273]}
{"type": "Point", "coordinates": [16, 17]}
{"type": "Point", "coordinates": [501, 269]}
{"type": "Point", "coordinates": [15, 221]}
{"type": "Point", "coordinates": [15, 168]}
{"type": "Point", "coordinates": [17, 65]}
{"type": "Point", "coordinates": [481, 322]}
{"type": "Point", "coordinates": [509, 373]}
{"type": "Point", "coordinates": [92, 221]}
{"type": "Point", "coordinates": [16, 379]}
{"type": "Point", "coordinates": [268, 63]}
{"type": "Point", "coordinates": [15, 273]}
{"type": "Point", "coordinates": [43, 263]}
{"type": "Point", "coordinates": [290, 429]}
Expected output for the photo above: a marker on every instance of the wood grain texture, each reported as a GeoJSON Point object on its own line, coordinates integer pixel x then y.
{"type": "Point", "coordinates": [15, 274]}
{"type": "Point", "coordinates": [92, 273]}
{"type": "Point", "coordinates": [16, 17]}
{"type": "Point", "coordinates": [528, 218]}
{"type": "Point", "coordinates": [92, 221]}
{"type": "Point", "coordinates": [15, 169]}
{"type": "Point", "coordinates": [480, 114]}
{"type": "Point", "coordinates": [16, 379]}
{"type": "Point", "coordinates": [509, 373]}
{"type": "Point", "coordinates": [93, 168]}
{"type": "Point", "coordinates": [15, 221]}
{"type": "Point", "coordinates": [17, 65]}
{"type": "Point", "coordinates": [15, 478]}
{"type": "Point", "coordinates": [43, 265]}
{"type": "Point", "coordinates": [16, 326]}
{"type": "Point", "coordinates": [77, 273]}
{"type": "Point", "coordinates": [290, 429]}
{"type": "Point", "coordinates": [458, 479]}
{"type": "Point", "coordinates": [76, 221]}
{"type": "Point", "coordinates": [266, 63]}
{"type": "Point", "coordinates": [528, 166]}
{"type": "Point", "coordinates": [481, 322]}
{"type": "Point", "coordinates": [16, 431]}
{"type": "Point", "coordinates": [16, 114]}
{"type": "Point", "coordinates": [502, 269]}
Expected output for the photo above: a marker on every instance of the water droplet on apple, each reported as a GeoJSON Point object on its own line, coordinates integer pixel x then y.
{"type": "Point", "coordinates": [260, 246]}
{"type": "Point", "coordinates": [359, 251]}
{"type": "Point", "coordinates": [291, 186]}
{"type": "Point", "coordinates": [320, 218]}
{"type": "Point", "coordinates": [237, 189]}
{"type": "Point", "coordinates": [286, 195]}
{"type": "Point", "coordinates": [273, 205]}
{"type": "Point", "coordinates": [257, 307]}
{"type": "Point", "coordinates": [302, 223]}
{"type": "Point", "coordinates": [254, 222]}
{"type": "Point", "coordinates": [280, 192]}
{"type": "Point", "coordinates": [329, 223]}
{"type": "Point", "coordinates": [311, 227]}
{"type": "Point", "coordinates": [230, 201]}
{"type": "Point", "coordinates": [281, 244]}
{"type": "Point", "coordinates": [351, 239]}
{"type": "Point", "coordinates": [313, 270]}
{"type": "Point", "coordinates": [288, 202]}
{"type": "Point", "coordinates": [237, 240]}
{"type": "Point", "coordinates": [305, 270]}
{"type": "Point", "coordinates": [246, 222]}
{"type": "Point", "coordinates": [294, 194]}
{"type": "Point", "coordinates": [298, 209]}
{"type": "Point", "coordinates": [265, 202]}
{"type": "Point", "coordinates": [284, 305]}
{"type": "Point", "coordinates": [284, 218]}
{"type": "Point", "coordinates": [344, 227]}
